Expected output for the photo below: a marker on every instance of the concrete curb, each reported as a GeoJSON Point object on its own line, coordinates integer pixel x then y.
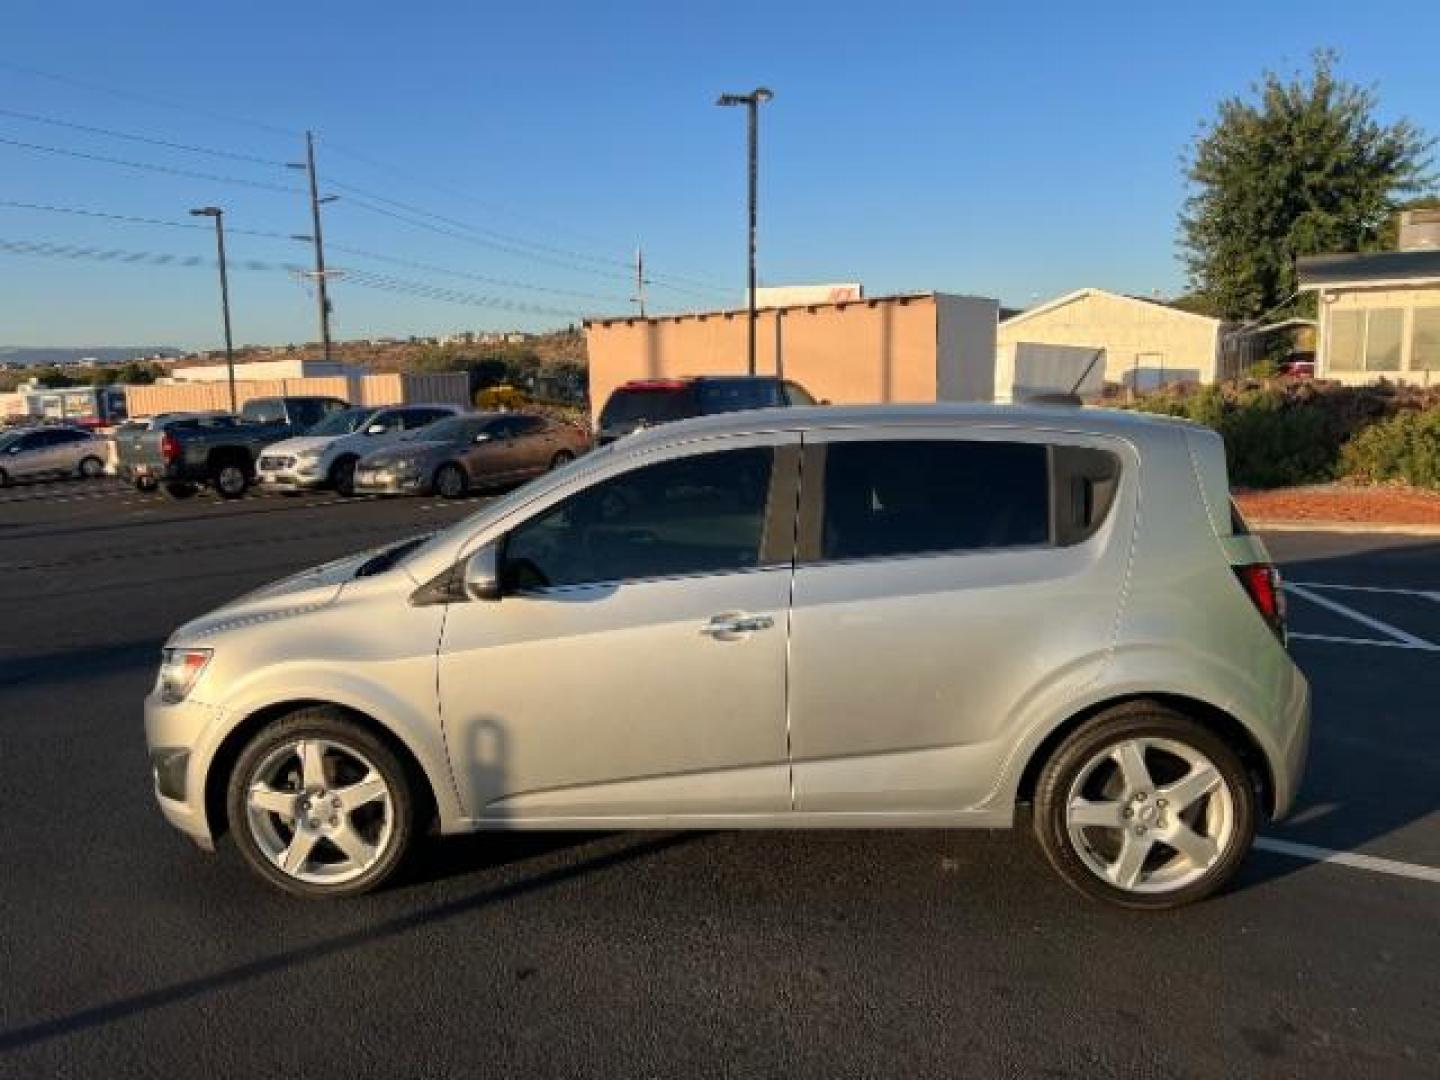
{"type": "Point", "coordinates": [1371, 528]}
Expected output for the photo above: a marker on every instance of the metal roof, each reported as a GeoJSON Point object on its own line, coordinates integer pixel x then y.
{"type": "Point", "coordinates": [1369, 269]}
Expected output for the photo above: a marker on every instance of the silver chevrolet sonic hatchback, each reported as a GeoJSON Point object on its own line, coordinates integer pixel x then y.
{"type": "Point", "coordinates": [887, 617]}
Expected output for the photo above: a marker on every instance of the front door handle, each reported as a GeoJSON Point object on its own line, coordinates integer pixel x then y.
{"type": "Point", "coordinates": [734, 625]}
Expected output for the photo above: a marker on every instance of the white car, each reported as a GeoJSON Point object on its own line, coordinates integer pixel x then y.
{"type": "Point", "coordinates": [325, 456]}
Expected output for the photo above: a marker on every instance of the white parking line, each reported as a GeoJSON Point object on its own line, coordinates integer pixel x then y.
{"type": "Point", "coordinates": [1401, 636]}
{"type": "Point", "coordinates": [1337, 639]}
{"type": "Point", "coordinates": [1426, 593]}
{"type": "Point", "coordinates": [1414, 871]}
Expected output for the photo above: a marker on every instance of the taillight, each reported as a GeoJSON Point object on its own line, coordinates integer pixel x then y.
{"type": "Point", "coordinates": [169, 447]}
{"type": "Point", "coordinates": [1262, 585]}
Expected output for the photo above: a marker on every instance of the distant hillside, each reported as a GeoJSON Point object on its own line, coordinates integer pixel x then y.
{"type": "Point", "coordinates": [32, 355]}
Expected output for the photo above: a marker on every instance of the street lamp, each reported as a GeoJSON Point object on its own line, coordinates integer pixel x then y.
{"type": "Point", "coordinates": [752, 102]}
{"type": "Point", "coordinates": [219, 216]}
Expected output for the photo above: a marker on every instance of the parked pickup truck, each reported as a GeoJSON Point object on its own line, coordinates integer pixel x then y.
{"type": "Point", "coordinates": [219, 451]}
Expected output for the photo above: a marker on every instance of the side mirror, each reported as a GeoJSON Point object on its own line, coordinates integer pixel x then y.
{"type": "Point", "coordinates": [375, 429]}
{"type": "Point", "coordinates": [481, 574]}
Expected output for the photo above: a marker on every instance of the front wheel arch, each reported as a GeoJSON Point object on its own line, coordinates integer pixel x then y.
{"type": "Point", "coordinates": [1217, 720]}
{"type": "Point", "coordinates": [222, 763]}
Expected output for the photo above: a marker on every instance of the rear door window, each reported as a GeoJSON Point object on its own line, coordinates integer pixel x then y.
{"type": "Point", "coordinates": [915, 497]}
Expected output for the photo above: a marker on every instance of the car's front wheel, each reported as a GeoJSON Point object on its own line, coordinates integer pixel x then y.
{"type": "Point", "coordinates": [91, 468]}
{"type": "Point", "coordinates": [321, 807]}
{"type": "Point", "coordinates": [450, 481]}
{"type": "Point", "coordinates": [230, 479]}
{"type": "Point", "coordinates": [342, 476]}
{"type": "Point", "coordinates": [1145, 808]}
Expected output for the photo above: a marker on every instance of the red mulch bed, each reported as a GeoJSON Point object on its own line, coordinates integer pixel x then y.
{"type": "Point", "coordinates": [1343, 502]}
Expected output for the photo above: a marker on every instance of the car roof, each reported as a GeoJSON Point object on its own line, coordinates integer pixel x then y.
{"type": "Point", "coordinates": [1096, 421]}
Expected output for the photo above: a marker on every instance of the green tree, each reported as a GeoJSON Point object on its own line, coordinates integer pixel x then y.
{"type": "Point", "coordinates": [1303, 169]}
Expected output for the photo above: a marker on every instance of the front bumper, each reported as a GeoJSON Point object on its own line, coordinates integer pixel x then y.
{"type": "Point", "coordinates": [289, 481]}
{"type": "Point", "coordinates": [389, 482]}
{"type": "Point", "coordinates": [177, 737]}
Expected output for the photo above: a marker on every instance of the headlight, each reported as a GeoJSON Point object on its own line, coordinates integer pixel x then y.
{"type": "Point", "coordinates": [180, 669]}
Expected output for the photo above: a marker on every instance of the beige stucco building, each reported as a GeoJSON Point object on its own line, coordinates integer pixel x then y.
{"type": "Point", "coordinates": [1379, 315]}
{"type": "Point", "coordinates": [1146, 343]}
{"type": "Point", "coordinates": [914, 348]}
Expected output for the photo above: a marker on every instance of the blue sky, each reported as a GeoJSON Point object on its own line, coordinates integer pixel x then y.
{"type": "Point", "coordinates": [1010, 150]}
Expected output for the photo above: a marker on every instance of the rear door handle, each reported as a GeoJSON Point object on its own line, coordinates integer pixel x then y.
{"type": "Point", "coordinates": [734, 625]}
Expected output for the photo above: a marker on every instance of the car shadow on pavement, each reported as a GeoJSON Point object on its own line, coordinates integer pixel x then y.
{"type": "Point", "coordinates": [1374, 746]}
{"type": "Point", "coordinates": [643, 846]}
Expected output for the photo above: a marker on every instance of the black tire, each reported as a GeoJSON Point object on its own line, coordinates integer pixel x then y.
{"type": "Point", "coordinates": [145, 483]}
{"type": "Point", "coordinates": [91, 468]}
{"type": "Point", "coordinates": [562, 457]}
{"type": "Point", "coordinates": [177, 490]}
{"type": "Point", "coordinates": [342, 476]}
{"type": "Point", "coordinates": [230, 479]}
{"type": "Point", "coordinates": [1142, 720]}
{"type": "Point", "coordinates": [4, 479]}
{"type": "Point", "coordinates": [406, 794]}
{"type": "Point", "coordinates": [451, 481]}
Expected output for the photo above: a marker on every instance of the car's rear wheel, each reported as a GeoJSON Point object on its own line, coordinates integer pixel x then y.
{"type": "Point", "coordinates": [91, 468]}
{"type": "Point", "coordinates": [342, 476]}
{"type": "Point", "coordinates": [450, 481]}
{"type": "Point", "coordinates": [562, 457]}
{"type": "Point", "coordinates": [1145, 808]}
{"type": "Point", "coordinates": [321, 807]}
{"type": "Point", "coordinates": [145, 483]}
{"type": "Point", "coordinates": [230, 479]}
{"type": "Point", "coordinates": [178, 490]}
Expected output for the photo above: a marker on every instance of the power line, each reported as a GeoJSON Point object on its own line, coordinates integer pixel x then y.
{"type": "Point", "coordinates": [150, 167]}
{"type": "Point", "coordinates": [131, 219]}
{"type": "Point", "coordinates": [519, 245]}
{"type": "Point", "coordinates": [113, 134]}
{"type": "Point", "coordinates": [364, 253]}
{"type": "Point", "coordinates": [148, 99]}
{"type": "Point", "coordinates": [360, 278]}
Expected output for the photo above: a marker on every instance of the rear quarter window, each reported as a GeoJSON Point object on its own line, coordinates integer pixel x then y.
{"type": "Point", "coordinates": [652, 406]}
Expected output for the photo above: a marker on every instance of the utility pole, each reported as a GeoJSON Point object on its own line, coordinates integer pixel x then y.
{"type": "Point", "coordinates": [219, 216]}
{"type": "Point", "coordinates": [752, 102]}
{"type": "Point", "coordinates": [318, 237]}
{"type": "Point", "coordinates": [640, 281]}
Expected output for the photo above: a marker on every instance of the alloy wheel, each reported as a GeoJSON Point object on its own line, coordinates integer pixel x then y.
{"type": "Point", "coordinates": [1150, 815]}
{"type": "Point", "coordinates": [319, 810]}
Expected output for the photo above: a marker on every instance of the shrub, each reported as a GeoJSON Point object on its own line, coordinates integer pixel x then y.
{"type": "Point", "coordinates": [1405, 447]}
{"type": "Point", "coordinates": [1282, 433]}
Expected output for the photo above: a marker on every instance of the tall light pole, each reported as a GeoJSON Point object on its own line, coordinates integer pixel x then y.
{"type": "Point", "coordinates": [752, 102]}
{"type": "Point", "coordinates": [219, 216]}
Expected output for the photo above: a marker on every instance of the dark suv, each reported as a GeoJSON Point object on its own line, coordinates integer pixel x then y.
{"type": "Point", "coordinates": [644, 403]}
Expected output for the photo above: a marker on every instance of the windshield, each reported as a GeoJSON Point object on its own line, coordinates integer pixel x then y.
{"type": "Point", "coordinates": [627, 405]}
{"type": "Point", "coordinates": [344, 422]}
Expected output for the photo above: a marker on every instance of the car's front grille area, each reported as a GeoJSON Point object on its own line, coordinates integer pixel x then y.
{"type": "Point", "coordinates": [276, 461]}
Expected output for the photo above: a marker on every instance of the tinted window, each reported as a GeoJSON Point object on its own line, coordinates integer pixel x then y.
{"type": "Point", "coordinates": [457, 429]}
{"type": "Point", "coordinates": [529, 425]}
{"type": "Point", "coordinates": [418, 418]}
{"type": "Point", "coordinates": [694, 515]}
{"type": "Point", "coordinates": [305, 413]}
{"type": "Point", "coordinates": [732, 395]}
{"type": "Point", "coordinates": [904, 498]}
{"type": "Point", "coordinates": [344, 422]}
{"type": "Point", "coordinates": [657, 406]}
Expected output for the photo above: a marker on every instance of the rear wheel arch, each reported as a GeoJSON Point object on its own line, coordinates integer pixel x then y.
{"type": "Point", "coordinates": [222, 763]}
{"type": "Point", "coordinates": [1213, 718]}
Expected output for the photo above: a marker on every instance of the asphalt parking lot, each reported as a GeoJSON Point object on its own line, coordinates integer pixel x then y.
{"type": "Point", "coordinates": [127, 952]}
